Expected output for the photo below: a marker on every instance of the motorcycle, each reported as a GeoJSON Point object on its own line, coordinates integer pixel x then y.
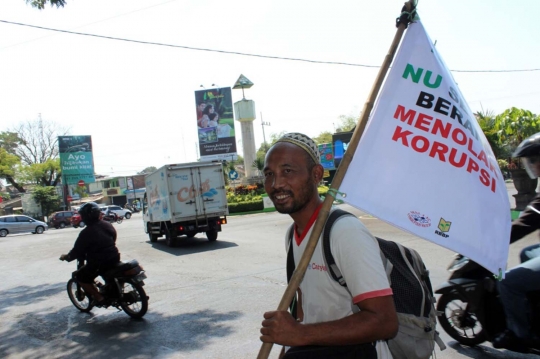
{"type": "Point", "coordinates": [133, 209]}
{"type": "Point", "coordinates": [122, 288]}
{"type": "Point", "coordinates": [112, 217]}
{"type": "Point", "coordinates": [469, 309]}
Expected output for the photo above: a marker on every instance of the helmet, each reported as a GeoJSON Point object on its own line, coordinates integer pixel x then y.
{"type": "Point", "coordinates": [90, 212]}
{"type": "Point", "coordinates": [529, 151]}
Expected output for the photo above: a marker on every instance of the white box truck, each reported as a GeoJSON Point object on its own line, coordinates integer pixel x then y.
{"type": "Point", "coordinates": [185, 199]}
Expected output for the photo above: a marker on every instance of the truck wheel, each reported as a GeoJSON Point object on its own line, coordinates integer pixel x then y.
{"type": "Point", "coordinates": [153, 237]}
{"type": "Point", "coordinates": [211, 235]}
{"type": "Point", "coordinates": [170, 237]}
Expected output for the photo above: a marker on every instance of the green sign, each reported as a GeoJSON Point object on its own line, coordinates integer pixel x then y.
{"type": "Point", "coordinates": [76, 160]}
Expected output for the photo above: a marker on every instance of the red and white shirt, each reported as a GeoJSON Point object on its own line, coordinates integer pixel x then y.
{"type": "Point", "coordinates": [357, 255]}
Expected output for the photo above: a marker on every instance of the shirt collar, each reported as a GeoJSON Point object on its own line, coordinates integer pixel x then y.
{"type": "Point", "coordinates": [298, 239]}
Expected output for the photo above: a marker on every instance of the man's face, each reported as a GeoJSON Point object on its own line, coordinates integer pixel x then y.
{"type": "Point", "coordinates": [288, 181]}
{"type": "Point", "coordinates": [202, 106]}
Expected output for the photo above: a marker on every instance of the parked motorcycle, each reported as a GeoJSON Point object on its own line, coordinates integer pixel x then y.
{"type": "Point", "coordinates": [112, 217]}
{"type": "Point", "coordinates": [469, 309]}
{"type": "Point", "coordinates": [122, 288]}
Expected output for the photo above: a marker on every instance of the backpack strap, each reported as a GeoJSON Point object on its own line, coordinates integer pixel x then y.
{"type": "Point", "coordinates": [291, 266]}
{"type": "Point", "coordinates": [333, 269]}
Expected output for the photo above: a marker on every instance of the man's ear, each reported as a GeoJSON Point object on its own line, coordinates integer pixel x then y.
{"type": "Point", "coordinates": [317, 173]}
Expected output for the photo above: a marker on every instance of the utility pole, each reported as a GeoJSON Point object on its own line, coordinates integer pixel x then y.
{"type": "Point", "coordinates": [264, 137]}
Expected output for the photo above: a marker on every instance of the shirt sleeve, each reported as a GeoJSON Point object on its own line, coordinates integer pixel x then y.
{"type": "Point", "coordinates": [528, 222]}
{"type": "Point", "coordinates": [358, 257]}
{"type": "Point", "coordinates": [79, 249]}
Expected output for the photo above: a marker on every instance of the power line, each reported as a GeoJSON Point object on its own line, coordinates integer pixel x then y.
{"type": "Point", "coordinates": [236, 52]}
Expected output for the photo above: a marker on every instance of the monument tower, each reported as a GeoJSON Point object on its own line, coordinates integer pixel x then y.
{"type": "Point", "coordinates": [244, 111]}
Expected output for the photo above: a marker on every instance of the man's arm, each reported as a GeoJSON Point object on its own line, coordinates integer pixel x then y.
{"type": "Point", "coordinates": [377, 320]}
{"type": "Point", "coordinates": [528, 222]}
{"type": "Point", "coordinates": [79, 248]}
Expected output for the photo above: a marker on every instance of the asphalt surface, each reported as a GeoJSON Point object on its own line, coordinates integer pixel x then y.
{"type": "Point", "coordinates": [206, 298]}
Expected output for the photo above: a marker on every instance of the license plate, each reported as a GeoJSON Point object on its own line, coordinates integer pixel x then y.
{"type": "Point", "coordinates": [140, 277]}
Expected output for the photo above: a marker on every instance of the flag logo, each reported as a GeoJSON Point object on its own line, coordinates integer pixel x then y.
{"type": "Point", "coordinates": [421, 220]}
{"type": "Point", "coordinates": [444, 226]}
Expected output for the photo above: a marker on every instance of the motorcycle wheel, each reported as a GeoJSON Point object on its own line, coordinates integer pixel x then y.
{"type": "Point", "coordinates": [119, 220]}
{"type": "Point", "coordinates": [461, 325]}
{"type": "Point", "coordinates": [78, 297]}
{"type": "Point", "coordinates": [134, 300]}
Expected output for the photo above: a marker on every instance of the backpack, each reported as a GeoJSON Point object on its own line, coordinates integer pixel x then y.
{"type": "Point", "coordinates": [410, 283]}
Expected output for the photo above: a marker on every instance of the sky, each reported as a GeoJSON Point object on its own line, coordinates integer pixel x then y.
{"type": "Point", "coordinates": [137, 100]}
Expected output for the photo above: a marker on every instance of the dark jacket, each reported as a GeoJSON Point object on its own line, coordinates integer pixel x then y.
{"type": "Point", "coordinates": [528, 222]}
{"type": "Point", "coordinates": [96, 243]}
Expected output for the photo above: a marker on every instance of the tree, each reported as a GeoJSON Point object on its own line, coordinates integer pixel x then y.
{"type": "Point", "coordinates": [40, 4]}
{"type": "Point", "coordinates": [8, 166]}
{"type": "Point", "coordinates": [346, 123]}
{"type": "Point", "coordinates": [258, 163]}
{"type": "Point", "coordinates": [514, 125]}
{"type": "Point", "coordinates": [276, 136]}
{"type": "Point", "coordinates": [147, 170]}
{"type": "Point", "coordinates": [487, 122]}
{"type": "Point", "coordinates": [324, 137]}
{"type": "Point", "coordinates": [47, 197]}
{"type": "Point", "coordinates": [81, 191]}
{"type": "Point", "coordinates": [35, 143]}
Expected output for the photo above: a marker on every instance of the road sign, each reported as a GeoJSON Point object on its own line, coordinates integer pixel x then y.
{"type": "Point", "coordinates": [69, 198]}
{"type": "Point", "coordinates": [80, 183]}
{"type": "Point", "coordinates": [233, 175]}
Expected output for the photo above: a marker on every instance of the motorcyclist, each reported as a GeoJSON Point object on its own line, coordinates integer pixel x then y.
{"type": "Point", "coordinates": [525, 277]}
{"type": "Point", "coordinates": [111, 216]}
{"type": "Point", "coordinates": [97, 244]}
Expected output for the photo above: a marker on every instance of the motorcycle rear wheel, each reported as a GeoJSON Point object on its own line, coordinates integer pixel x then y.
{"type": "Point", "coordinates": [137, 306]}
{"type": "Point", "coordinates": [78, 297]}
{"type": "Point", "coordinates": [119, 220]}
{"type": "Point", "coordinates": [460, 324]}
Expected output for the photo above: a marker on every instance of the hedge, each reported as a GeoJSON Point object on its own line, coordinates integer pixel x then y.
{"type": "Point", "coordinates": [246, 206]}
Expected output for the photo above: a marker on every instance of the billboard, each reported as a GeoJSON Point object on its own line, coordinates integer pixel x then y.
{"type": "Point", "coordinates": [76, 160]}
{"type": "Point", "coordinates": [340, 141]}
{"type": "Point", "coordinates": [327, 156]}
{"type": "Point", "coordinates": [215, 123]}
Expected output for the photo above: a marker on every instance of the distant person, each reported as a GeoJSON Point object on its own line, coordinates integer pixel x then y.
{"type": "Point", "coordinates": [96, 244]}
{"type": "Point", "coordinates": [200, 109]}
{"type": "Point", "coordinates": [213, 119]}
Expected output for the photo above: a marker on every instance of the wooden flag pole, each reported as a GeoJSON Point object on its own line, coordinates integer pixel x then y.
{"type": "Point", "coordinates": [301, 268]}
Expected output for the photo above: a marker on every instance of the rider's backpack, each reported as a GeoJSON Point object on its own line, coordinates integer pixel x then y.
{"type": "Point", "coordinates": [413, 294]}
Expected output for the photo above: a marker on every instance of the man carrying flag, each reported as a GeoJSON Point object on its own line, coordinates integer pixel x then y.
{"type": "Point", "coordinates": [332, 321]}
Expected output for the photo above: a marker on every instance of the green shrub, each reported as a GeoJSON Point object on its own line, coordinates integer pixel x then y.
{"type": "Point", "coordinates": [322, 190]}
{"type": "Point", "coordinates": [246, 206]}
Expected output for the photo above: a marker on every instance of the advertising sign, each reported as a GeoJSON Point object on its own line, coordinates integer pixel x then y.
{"type": "Point", "coordinates": [327, 156]}
{"type": "Point", "coordinates": [340, 141]}
{"type": "Point", "coordinates": [76, 159]}
{"type": "Point", "coordinates": [215, 124]}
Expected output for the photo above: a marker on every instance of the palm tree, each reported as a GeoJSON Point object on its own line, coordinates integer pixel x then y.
{"type": "Point", "coordinates": [487, 121]}
{"type": "Point", "coordinates": [259, 164]}
{"type": "Point", "coordinates": [40, 4]}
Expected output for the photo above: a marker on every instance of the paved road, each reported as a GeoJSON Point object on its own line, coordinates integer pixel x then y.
{"type": "Point", "coordinates": [206, 299]}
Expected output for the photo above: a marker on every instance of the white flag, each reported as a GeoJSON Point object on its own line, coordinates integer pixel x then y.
{"type": "Point", "coordinates": [424, 165]}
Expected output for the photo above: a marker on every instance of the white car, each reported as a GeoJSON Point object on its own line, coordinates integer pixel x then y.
{"type": "Point", "coordinates": [126, 213]}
